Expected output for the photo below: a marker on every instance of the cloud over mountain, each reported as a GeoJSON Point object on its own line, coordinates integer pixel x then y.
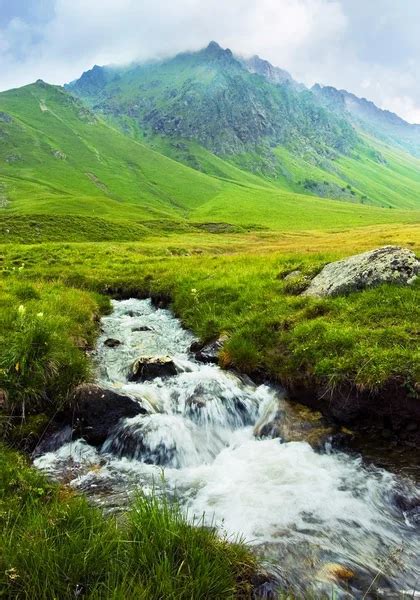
{"type": "Point", "coordinates": [370, 48]}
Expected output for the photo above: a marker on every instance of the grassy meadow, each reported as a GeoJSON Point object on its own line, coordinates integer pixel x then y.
{"type": "Point", "coordinates": [54, 545]}
{"type": "Point", "coordinates": [218, 283]}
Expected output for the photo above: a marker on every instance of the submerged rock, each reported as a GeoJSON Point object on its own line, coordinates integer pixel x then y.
{"type": "Point", "coordinates": [150, 367]}
{"type": "Point", "coordinates": [389, 264]}
{"type": "Point", "coordinates": [112, 343]}
{"type": "Point", "coordinates": [51, 443]}
{"type": "Point", "coordinates": [95, 411]}
{"type": "Point", "coordinates": [410, 508]}
{"type": "Point", "coordinates": [335, 572]}
{"type": "Point", "coordinates": [295, 423]}
{"type": "Point", "coordinates": [209, 353]}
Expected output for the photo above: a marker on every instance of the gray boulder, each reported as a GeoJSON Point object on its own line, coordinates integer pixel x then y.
{"type": "Point", "coordinates": [149, 367]}
{"type": "Point", "coordinates": [389, 264]}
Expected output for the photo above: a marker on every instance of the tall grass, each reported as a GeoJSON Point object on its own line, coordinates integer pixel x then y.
{"type": "Point", "coordinates": [45, 331]}
{"type": "Point", "coordinates": [54, 545]}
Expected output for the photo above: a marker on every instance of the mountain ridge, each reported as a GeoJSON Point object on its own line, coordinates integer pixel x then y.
{"type": "Point", "coordinates": [365, 114]}
{"type": "Point", "coordinates": [250, 114]}
{"type": "Point", "coordinates": [211, 96]}
{"type": "Point", "coordinates": [260, 66]}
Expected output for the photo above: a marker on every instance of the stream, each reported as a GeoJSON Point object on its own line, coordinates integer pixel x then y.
{"type": "Point", "coordinates": [321, 520]}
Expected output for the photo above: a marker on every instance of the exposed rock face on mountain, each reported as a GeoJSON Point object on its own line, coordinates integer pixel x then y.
{"type": "Point", "coordinates": [390, 264]}
{"type": "Point", "coordinates": [364, 114]}
{"type": "Point", "coordinates": [215, 99]}
{"type": "Point", "coordinates": [262, 67]}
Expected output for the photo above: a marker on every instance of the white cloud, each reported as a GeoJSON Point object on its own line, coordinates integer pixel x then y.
{"type": "Point", "coordinates": [335, 42]}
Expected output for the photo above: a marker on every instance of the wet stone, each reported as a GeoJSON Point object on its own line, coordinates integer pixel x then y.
{"type": "Point", "coordinates": [112, 343]}
{"type": "Point", "coordinates": [150, 367]}
{"type": "Point", "coordinates": [95, 411]}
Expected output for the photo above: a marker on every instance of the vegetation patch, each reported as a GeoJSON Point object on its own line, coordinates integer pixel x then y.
{"type": "Point", "coordinates": [54, 545]}
{"type": "Point", "coordinates": [367, 339]}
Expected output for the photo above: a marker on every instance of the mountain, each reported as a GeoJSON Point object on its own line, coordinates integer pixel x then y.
{"type": "Point", "coordinates": [222, 102]}
{"type": "Point", "coordinates": [212, 110]}
{"type": "Point", "coordinates": [365, 115]}
{"type": "Point", "coordinates": [65, 173]}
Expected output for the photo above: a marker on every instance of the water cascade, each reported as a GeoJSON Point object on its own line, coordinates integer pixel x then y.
{"type": "Point", "coordinates": [307, 512]}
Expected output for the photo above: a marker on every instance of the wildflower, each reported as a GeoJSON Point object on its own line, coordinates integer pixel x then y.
{"type": "Point", "coordinates": [21, 310]}
{"type": "Point", "coordinates": [12, 574]}
{"type": "Point", "coordinates": [40, 315]}
{"type": "Point", "coordinates": [193, 291]}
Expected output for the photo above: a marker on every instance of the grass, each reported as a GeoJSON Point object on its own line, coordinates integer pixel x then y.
{"type": "Point", "coordinates": [43, 353]}
{"type": "Point", "coordinates": [87, 211]}
{"type": "Point", "coordinates": [367, 339]}
{"type": "Point", "coordinates": [54, 545]}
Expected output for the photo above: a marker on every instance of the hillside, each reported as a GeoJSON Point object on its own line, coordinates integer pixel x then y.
{"type": "Point", "coordinates": [73, 161]}
{"type": "Point", "coordinates": [254, 116]}
{"type": "Point", "coordinates": [59, 160]}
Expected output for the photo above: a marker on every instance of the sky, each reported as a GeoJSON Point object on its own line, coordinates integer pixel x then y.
{"type": "Point", "coordinates": [369, 47]}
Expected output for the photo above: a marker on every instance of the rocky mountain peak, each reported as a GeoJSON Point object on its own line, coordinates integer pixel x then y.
{"type": "Point", "coordinates": [214, 50]}
{"type": "Point", "coordinates": [262, 67]}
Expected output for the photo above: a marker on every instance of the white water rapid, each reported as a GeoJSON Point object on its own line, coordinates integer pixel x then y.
{"type": "Point", "coordinates": [301, 509]}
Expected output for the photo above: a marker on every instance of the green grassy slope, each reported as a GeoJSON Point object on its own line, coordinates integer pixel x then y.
{"type": "Point", "coordinates": [393, 182]}
{"type": "Point", "coordinates": [373, 173]}
{"type": "Point", "coordinates": [67, 175]}
{"type": "Point", "coordinates": [293, 212]}
{"type": "Point", "coordinates": [56, 156]}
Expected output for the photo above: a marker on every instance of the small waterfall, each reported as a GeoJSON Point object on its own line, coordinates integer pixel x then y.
{"type": "Point", "coordinates": [205, 431]}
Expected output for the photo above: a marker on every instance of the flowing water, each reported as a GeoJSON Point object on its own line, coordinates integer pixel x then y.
{"type": "Point", "coordinates": [304, 511]}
